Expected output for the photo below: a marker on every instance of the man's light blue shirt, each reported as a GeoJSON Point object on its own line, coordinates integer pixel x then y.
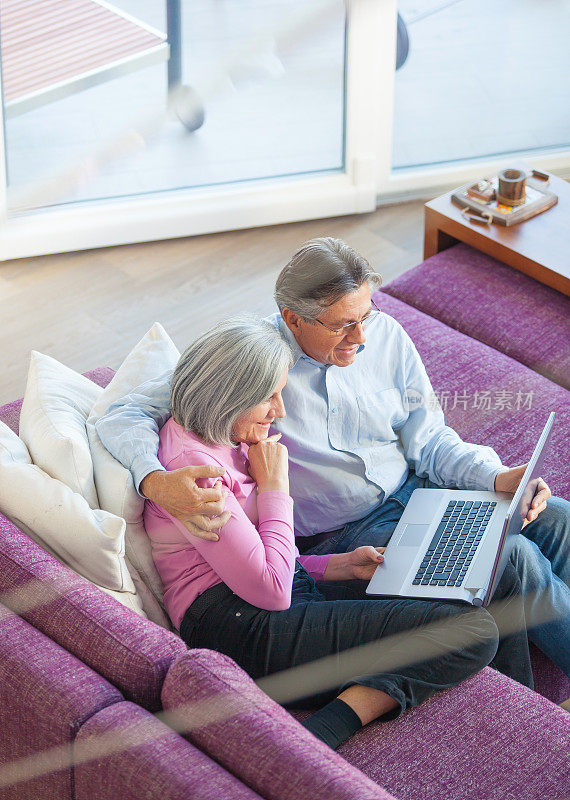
{"type": "Point", "coordinates": [352, 432]}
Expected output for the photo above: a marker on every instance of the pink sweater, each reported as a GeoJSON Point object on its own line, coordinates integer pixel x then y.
{"type": "Point", "coordinates": [255, 555]}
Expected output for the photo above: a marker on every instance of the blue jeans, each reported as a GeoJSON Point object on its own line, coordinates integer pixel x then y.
{"type": "Point", "coordinates": [541, 558]}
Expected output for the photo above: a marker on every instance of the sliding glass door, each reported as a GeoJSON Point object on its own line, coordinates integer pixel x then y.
{"type": "Point", "coordinates": [151, 118]}
{"type": "Point", "coordinates": [269, 99]}
{"type": "Point", "coordinates": [483, 84]}
{"type": "Point", "coordinates": [483, 78]}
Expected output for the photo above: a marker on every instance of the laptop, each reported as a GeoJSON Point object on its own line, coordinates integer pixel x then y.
{"type": "Point", "coordinates": [454, 545]}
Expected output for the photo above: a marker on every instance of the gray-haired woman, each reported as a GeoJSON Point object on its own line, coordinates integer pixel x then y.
{"type": "Point", "coordinates": [250, 595]}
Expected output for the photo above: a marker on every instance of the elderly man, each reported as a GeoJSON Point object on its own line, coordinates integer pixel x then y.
{"type": "Point", "coordinates": [357, 446]}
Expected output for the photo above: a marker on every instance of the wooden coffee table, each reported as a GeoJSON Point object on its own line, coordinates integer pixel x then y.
{"type": "Point", "coordinates": [539, 247]}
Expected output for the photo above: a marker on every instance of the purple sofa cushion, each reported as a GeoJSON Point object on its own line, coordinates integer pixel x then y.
{"type": "Point", "coordinates": [462, 369]}
{"type": "Point", "coordinates": [228, 717]}
{"type": "Point", "coordinates": [130, 652]}
{"type": "Point", "coordinates": [125, 752]}
{"type": "Point", "coordinates": [494, 303]}
{"type": "Point", "coordinates": [487, 739]}
{"type": "Point", "coordinates": [45, 695]}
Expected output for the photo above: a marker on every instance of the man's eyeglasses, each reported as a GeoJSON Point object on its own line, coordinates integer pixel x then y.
{"type": "Point", "coordinates": [365, 322]}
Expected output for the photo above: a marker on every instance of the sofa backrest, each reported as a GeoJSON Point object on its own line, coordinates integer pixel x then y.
{"type": "Point", "coordinates": [494, 303]}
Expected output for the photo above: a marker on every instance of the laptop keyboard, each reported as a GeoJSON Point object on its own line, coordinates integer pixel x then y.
{"type": "Point", "coordinates": [454, 543]}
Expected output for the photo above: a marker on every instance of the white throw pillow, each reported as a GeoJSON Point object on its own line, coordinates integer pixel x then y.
{"type": "Point", "coordinates": [153, 355]}
{"type": "Point", "coordinates": [91, 542]}
{"type": "Point", "coordinates": [56, 405]}
{"type": "Point", "coordinates": [152, 608]}
{"type": "Point", "coordinates": [127, 599]}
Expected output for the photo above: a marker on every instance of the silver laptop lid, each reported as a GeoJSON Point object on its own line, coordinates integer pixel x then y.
{"type": "Point", "coordinates": [520, 506]}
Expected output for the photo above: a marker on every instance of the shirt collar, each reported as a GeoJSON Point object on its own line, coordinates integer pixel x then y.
{"type": "Point", "coordinates": [291, 341]}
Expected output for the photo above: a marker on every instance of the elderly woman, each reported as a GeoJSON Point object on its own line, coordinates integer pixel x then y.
{"type": "Point", "coordinates": [250, 595]}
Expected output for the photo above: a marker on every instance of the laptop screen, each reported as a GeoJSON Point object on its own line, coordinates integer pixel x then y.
{"type": "Point", "coordinates": [520, 505]}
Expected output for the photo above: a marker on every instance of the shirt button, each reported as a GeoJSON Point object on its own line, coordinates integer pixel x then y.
{"type": "Point", "coordinates": [238, 613]}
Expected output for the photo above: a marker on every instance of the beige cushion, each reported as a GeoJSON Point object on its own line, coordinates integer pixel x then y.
{"type": "Point", "coordinates": [91, 542]}
{"type": "Point", "coordinates": [153, 355]}
{"type": "Point", "coordinates": [56, 405]}
{"type": "Point", "coordinates": [128, 599]}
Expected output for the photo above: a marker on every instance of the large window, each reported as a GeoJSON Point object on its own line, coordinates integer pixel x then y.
{"type": "Point", "coordinates": [147, 119]}
{"type": "Point", "coordinates": [143, 119]}
{"type": "Point", "coordinates": [272, 97]}
{"type": "Point", "coordinates": [481, 79]}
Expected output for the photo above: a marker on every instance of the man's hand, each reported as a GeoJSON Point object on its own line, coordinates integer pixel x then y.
{"type": "Point", "coordinates": [201, 510]}
{"type": "Point", "coordinates": [359, 564]}
{"type": "Point", "coordinates": [508, 482]}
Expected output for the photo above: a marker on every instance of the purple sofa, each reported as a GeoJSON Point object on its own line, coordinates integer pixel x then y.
{"type": "Point", "coordinates": [121, 708]}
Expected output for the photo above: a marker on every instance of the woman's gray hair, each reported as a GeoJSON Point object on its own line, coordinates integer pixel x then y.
{"type": "Point", "coordinates": [319, 274]}
{"type": "Point", "coordinates": [224, 373]}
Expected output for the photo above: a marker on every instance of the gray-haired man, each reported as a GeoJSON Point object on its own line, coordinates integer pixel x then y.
{"type": "Point", "coordinates": [357, 444]}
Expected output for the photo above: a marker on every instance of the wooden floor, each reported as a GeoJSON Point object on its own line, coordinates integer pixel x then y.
{"type": "Point", "coordinates": [88, 309]}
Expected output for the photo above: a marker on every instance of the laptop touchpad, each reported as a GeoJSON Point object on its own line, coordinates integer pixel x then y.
{"type": "Point", "coordinates": [412, 535]}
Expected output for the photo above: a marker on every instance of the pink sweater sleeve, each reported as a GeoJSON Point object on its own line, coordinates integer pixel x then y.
{"type": "Point", "coordinates": [257, 565]}
{"type": "Point", "coordinates": [315, 565]}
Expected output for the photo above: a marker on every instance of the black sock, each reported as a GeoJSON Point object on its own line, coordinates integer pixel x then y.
{"type": "Point", "coordinates": [334, 723]}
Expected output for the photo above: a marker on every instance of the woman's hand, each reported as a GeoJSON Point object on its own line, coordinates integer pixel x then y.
{"type": "Point", "coordinates": [359, 564]}
{"type": "Point", "coordinates": [269, 465]}
{"type": "Point", "coordinates": [364, 561]}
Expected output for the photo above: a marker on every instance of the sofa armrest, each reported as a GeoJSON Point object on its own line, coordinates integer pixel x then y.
{"type": "Point", "coordinates": [45, 695]}
{"type": "Point", "coordinates": [130, 652]}
{"type": "Point", "coordinates": [219, 708]}
{"type": "Point", "coordinates": [126, 752]}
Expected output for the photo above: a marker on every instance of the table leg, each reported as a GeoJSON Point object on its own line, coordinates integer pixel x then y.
{"type": "Point", "coordinates": [435, 240]}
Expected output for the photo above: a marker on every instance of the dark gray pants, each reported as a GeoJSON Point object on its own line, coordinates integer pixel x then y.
{"type": "Point", "coordinates": [405, 667]}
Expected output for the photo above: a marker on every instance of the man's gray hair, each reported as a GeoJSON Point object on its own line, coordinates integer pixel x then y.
{"type": "Point", "coordinates": [319, 274]}
{"type": "Point", "coordinates": [224, 373]}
